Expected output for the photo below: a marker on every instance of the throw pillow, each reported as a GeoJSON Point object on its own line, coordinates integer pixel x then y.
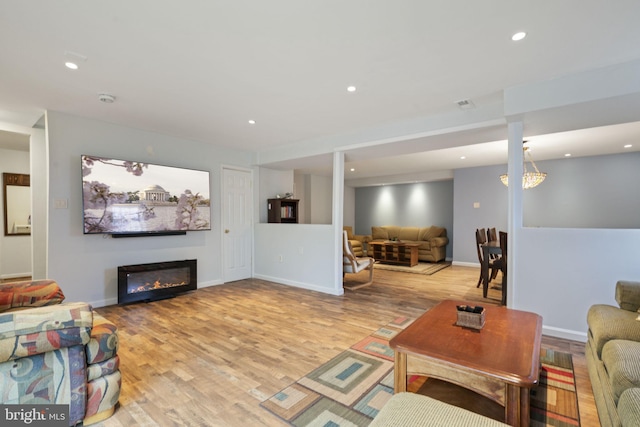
{"type": "Point", "coordinates": [430, 232]}
{"type": "Point", "coordinates": [379, 233]}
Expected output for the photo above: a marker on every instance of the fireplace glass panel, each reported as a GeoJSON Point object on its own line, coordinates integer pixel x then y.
{"type": "Point", "coordinates": [159, 279]}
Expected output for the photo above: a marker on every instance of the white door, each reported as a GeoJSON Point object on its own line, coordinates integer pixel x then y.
{"type": "Point", "coordinates": [237, 233]}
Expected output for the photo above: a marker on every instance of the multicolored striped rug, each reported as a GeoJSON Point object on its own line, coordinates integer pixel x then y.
{"type": "Point", "coordinates": [554, 402]}
{"type": "Point", "coordinates": [350, 389]}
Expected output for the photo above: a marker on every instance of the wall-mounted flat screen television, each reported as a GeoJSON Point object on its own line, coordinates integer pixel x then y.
{"type": "Point", "coordinates": [131, 198]}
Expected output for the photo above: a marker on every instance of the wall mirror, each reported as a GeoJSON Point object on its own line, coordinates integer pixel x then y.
{"type": "Point", "coordinates": [16, 197]}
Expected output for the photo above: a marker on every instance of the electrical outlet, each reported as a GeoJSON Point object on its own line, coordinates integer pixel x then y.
{"type": "Point", "coordinates": [280, 258]}
{"type": "Point", "coordinates": [476, 205]}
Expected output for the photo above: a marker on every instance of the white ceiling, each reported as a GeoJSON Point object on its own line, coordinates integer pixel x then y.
{"type": "Point", "coordinates": [14, 141]}
{"type": "Point", "coordinates": [200, 70]}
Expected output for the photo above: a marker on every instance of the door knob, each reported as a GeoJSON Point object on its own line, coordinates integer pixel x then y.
{"type": "Point", "coordinates": [226, 230]}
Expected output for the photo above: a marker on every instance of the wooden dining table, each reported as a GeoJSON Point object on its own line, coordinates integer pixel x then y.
{"type": "Point", "coordinates": [488, 249]}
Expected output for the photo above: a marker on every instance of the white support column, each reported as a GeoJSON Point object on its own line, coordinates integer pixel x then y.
{"type": "Point", "coordinates": [337, 216]}
{"type": "Point", "coordinates": [515, 170]}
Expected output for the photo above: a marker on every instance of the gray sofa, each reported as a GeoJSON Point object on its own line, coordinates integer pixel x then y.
{"type": "Point", "coordinates": [613, 357]}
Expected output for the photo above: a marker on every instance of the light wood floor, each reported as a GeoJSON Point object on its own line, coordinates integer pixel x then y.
{"type": "Point", "coordinates": [210, 357]}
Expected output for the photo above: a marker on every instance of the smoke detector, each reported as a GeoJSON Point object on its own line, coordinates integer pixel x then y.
{"type": "Point", "coordinates": [106, 98]}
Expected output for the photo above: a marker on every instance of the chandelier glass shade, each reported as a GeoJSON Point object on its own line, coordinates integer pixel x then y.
{"type": "Point", "coordinates": [529, 179]}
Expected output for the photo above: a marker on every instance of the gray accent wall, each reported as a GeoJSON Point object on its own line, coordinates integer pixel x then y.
{"type": "Point", "coordinates": [410, 205]}
{"type": "Point", "coordinates": [586, 192]}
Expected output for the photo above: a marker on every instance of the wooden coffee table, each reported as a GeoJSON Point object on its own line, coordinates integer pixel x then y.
{"type": "Point", "coordinates": [395, 252]}
{"type": "Point", "coordinates": [501, 361]}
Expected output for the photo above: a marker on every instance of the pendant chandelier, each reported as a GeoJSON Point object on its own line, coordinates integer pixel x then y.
{"type": "Point", "coordinates": [529, 179]}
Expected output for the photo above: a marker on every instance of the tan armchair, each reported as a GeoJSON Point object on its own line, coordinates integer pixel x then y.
{"type": "Point", "coordinates": [357, 241]}
{"type": "Point", "coordinates": [353, 264]}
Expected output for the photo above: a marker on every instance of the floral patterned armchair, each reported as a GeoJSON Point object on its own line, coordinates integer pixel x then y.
{"type": "Point", "coordinates": [54, 353]}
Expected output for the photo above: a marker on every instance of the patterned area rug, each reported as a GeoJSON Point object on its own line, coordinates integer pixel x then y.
{"type": "Point", "coordinates": [350, 389]}
{"type": "Point", "coordinates": [554, 401]}
{"type": "Point", "coordinates": [426, 268]}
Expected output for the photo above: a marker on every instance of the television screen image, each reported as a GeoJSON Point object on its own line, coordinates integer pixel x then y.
{"type": "Point", "coordinates": [129, 197]}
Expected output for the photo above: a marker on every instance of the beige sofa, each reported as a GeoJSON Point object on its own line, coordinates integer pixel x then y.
{"type": "Point", "coordinates": [357, 241]}
{"type": "Point", "coordinates": [433, 240]}
{"type": "Point", "coordinates": [613, 357]}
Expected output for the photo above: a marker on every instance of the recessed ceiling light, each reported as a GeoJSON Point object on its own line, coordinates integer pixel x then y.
{"type": "Point", "coordinates": [352, 169]}
{"type": "Point", "coordinates": [628, 146]}
{"type": "Point", "coordinates": [252, 122]}
{"type": "Point", "coordinates": [463, 157]}
{"type": "Point", "coordinates": [72, 59]}
{"type": "Point", "coordinates": [568, 155]}
{"type": "Point", "coordinates": [518, 36]}
{"type": "Point", "coordinates": [351, 88]}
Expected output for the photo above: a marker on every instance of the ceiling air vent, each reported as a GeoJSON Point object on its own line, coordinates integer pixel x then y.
{"type": "Point", "coordinates": [465, 104]}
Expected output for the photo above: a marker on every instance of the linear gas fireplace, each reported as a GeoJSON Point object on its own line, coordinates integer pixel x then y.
{"type": "Point", "coordinates": [150, 282]}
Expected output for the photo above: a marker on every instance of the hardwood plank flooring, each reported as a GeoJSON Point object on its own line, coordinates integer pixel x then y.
{"type": "Point", "coordinates": [208, 358]}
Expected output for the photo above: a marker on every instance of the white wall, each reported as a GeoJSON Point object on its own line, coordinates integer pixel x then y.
{"type": "Point", "coordinates": [39, 202]}
{"type": "Point", "coordinates": [300, 191]}
{"type": "Point", "coordinates": [300, 255]}
{"type": "Point", "coordinates": [315, 193]}
{"type": "Point", "coordinates": [271, 183]}
{"type": "Point", "coordinates": [349, 207]}
{"type": "Point", "coordinates": [321, 199]}
{"type": "Point", "coordinates": [15, 251]}
{"type": "Point", "coordinates": [85, 266]}
{"type": "Point", "coordinates": [562, 272]}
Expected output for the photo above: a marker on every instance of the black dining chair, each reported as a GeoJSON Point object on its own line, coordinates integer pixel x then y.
{"type": "Point", "coordinates": [481, 239]}
{"type": "Point", "coordinates": [492, 236]}
{"type": "Point", "coordinates": [503, 265]}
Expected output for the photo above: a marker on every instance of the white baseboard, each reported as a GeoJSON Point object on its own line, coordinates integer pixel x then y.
{"type": "Point", "coordinates": [564, 333]}
{"type": "Point", "coordinates": [466, 264]}
{"type": "Point", "coordinates": [15, 275]}
{"type": "Point", "coordinates": [210, 283]}
{"type": "Point", "coordinates": [104, 302]}
{"type": "Point", "coordinates": [300, 285]}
